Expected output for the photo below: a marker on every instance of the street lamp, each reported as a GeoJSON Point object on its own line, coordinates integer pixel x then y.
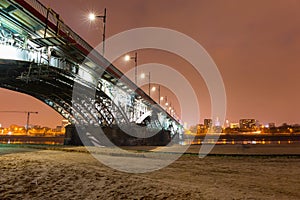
{"type": "Point", "coordinates": [149, 82]}
{"type": "Point", "coordinates": [153, 89]}
{"type": "Point", "coordinates": [166, 101]}
{"type": "Point", "coordinates": [127, 58]}
{"type": "Point", "coordinates": [93, 17]}
{"type": "Point", "coordinates": [159, 97]}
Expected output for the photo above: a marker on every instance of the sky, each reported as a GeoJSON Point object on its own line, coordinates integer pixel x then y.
{"type": "Point", "coordinates": [255, 45]}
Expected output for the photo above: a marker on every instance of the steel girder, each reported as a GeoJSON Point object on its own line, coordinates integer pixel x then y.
{"type": "Point", "coordinates": [54, 87]}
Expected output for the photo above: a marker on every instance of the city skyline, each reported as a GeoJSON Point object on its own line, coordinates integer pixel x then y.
{"type": "Point", "coordinates": [256, 54]}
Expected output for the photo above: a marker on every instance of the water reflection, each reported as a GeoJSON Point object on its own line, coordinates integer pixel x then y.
{"type": "Point", "coordinates": [238, 142]}
{"type": "Point", "coordinates": [32, 140]}
{"type": "Point", "coordinates": [195, 141]}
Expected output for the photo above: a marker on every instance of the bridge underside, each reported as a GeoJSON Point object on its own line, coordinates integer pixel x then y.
{"type": "Point", "coordinates": [92, 115]}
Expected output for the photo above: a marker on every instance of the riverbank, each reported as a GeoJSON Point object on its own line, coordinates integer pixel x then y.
{"type": "Point", "coordinates": [73, 173]}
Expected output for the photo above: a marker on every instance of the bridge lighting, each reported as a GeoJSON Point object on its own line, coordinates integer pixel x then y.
{"type": "Point", "coordinates": [127, 58]}
{"type": "Point", "coordinates": [92, 16]}
{"type": "Point", "coordinates": [143, 75]}
{"type": "Point", "coordinates": [11, 52]}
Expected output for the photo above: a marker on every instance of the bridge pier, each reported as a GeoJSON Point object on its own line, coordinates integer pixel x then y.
{"type": "Point", "coordinates": [115, 135]}
{"type": "Point", "coordinates": [72, 137]}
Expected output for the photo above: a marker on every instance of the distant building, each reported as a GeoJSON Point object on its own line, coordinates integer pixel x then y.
{"type": "Point", "coordinates": [227, 124]}
{"type": "Point", "coordinates": [207, 123]}
{"type": "Point", "coordinates": [234, 125]}
{"type": "Point", "coordinates": [247, 123]}
{"type": "Point", "coordinates": [272, 125]}
{"type": "Point", "coordinates": [201, 129]}
{"type": "Point", "coordinates": [185, 125]}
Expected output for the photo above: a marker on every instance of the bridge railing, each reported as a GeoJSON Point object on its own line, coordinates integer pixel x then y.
{"type": "Point", "coordinates": [54, 18]}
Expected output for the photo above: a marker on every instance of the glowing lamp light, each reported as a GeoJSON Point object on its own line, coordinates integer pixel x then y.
{"type": "Point", "coordinates": [153, 89]}
{"type": "Point", "coordinates": [127, 58]}
{"type": "Point", "coordinates": [143, 75]}
{"type": "Point", "coordinates": [92, 16]}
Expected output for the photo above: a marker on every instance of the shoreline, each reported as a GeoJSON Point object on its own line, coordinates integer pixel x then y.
{"type": "Point", "coordinates": [266, 150]}
{"type": "Point", "coordinates": [69, 173]}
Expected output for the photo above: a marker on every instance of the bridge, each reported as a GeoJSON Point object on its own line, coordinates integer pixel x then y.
{"type": "Point", "coordinates": [42, 57]}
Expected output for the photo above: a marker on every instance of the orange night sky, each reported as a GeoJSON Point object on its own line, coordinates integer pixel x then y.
{"type": "Point", "coordinates": [254, 43]}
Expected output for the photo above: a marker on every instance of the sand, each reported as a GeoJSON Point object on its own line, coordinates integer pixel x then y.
{"type": "Point", "coordinates": [73, 173]}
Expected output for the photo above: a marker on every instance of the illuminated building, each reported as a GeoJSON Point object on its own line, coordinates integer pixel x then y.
{"type": "Point", "coordinates": [234, 125]}
{"type": "Point", "coordinates": [271, 125]}
{"type": "Point", "coordinates": [247, 123]}
{"type": "Point", "coordinates": [207, 123]}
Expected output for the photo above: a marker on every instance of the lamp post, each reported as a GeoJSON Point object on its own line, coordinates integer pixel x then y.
{"type": "Point", "coordinates": [159, 97]}
{"type": "Point", "coordinates": [166, 102]}
{"type": "Point", "coordinates": [153, 89]}
{"type": "Point", "coordinates": [92, 17]}
{"type": "Point", "coordinates": [127, 58]}
{"type": "Point", "coordinates": [149, 83]}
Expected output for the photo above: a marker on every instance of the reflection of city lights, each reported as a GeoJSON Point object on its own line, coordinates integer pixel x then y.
{"type": "Point", "coordinates": [9, 133]}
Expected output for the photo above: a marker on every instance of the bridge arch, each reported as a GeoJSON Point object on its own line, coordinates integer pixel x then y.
{"type": "Point", "coordinates": [43, 57]}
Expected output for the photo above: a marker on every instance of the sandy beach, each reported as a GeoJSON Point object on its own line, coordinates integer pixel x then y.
{"type": "Point", "coordinates": [73, 173]}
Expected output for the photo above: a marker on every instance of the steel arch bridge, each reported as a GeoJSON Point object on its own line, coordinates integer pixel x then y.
{"type": "Point", "coordinates": [41, 56]}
